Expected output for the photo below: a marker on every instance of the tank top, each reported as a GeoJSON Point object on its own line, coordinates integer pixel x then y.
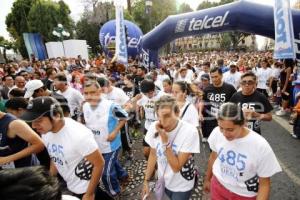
{"type": "Point", "coordinates": [9, 146]}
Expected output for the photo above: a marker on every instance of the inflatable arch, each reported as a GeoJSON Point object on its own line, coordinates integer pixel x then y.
{"type": "Point", "coordinates": [243, 16]}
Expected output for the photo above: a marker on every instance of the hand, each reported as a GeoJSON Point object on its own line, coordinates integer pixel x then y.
{"type": "Point", "coordinates": [201, 118]}
{"type": "Point", "coordinates": [163, 134]}
{"type": "Point", "coordinates": [111, 137]}
{"type": "Point", "coordinates": [206, 186]}
{"type": "Point", "coordinates": [249, 114]}
{"type": "Point", "coordinates": [87, 196]}
{"type": "Point", "coordinates": [4, 160]}
{"type": "Point", "coordinates": [145, 191]}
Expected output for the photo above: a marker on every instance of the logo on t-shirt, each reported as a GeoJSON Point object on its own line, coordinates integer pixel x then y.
{"type": "Point", "coordinates": [252, 184]}
{"type": "Point", "coordinates": [84, 170]}
{"type": "Point", "coordinates": [187, 171]}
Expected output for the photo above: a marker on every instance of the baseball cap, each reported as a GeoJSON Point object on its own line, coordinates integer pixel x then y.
{"type": "Point", "coordinates": [40, 106]}
{"type": "Point", "coordinates": [205, 77]}
{"type": "Point", "coordinates": [31, 86]}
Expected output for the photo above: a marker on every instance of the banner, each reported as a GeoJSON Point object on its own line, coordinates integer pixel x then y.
{"type": "Point", "coordinates": [284, 32]}
{"type": "Point", "coordinates": [35, 45]}
{"type": "Point", "coordinates": [121, 46]}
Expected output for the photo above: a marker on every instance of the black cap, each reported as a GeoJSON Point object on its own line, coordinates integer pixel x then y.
{"type": "Point", "coordinates": [205, 77]}
{"type": "Point", "coordinates": [40, 106]}
{"type": "Point", "coordinates": [147, 86]}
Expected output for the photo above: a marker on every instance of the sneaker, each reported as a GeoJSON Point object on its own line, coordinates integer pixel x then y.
{"type": "Point", "coordinates": [280, 113]}
{"type": "Point", "coordinates": [204, 140]}
{"type": "Point", "coordinates": [295, 136]}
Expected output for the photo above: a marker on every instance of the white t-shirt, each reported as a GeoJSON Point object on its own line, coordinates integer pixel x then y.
{"type": "Point", "coordinates": [148, 105]}
{"type": "Point", "coordinates": [276, 72]}
{"type": "Point", "coordinates": [186, 140]}
{"type": "Point", "coordinates": [102, 121]}
{"type": "Point", "coordinates": [162, 77]}
{"type": "Point", "coordinates": [117, 95]}
{"type": "Point", "coordinates": [262, 76]}
{"type": "Point", "coordinates": [242, 161]}
{"type": "Point", "coordinates": [74, 98]}
{"type": "Point", "coordinates": [232, 78]}
{"type": "Point", "coordinates": [67, 149]}
{"type": "Point", "coordinates": [191, 114]}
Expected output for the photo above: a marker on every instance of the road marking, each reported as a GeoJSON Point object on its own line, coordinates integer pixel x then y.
{"type": "Point", "coordinates": [294, 178]}
{"type": "Point", "coordinates": [285, 124]}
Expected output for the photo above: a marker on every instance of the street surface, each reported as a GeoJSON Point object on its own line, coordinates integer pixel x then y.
{"type": "Point", "coordinates": [285, 185]}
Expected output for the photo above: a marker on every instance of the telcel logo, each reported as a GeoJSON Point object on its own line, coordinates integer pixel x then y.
{"type": "Point", "coordinates": [132, 42]}
{"type": "Point", "coordinates": [280, 24]}
{"type": "Point", "coordinates": [207, 22]}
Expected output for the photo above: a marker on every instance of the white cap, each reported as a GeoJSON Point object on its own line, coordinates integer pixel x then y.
{"type": "Point", "coordinates": [31, 86]}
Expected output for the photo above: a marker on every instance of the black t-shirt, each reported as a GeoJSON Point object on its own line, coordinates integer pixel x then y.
{"type": "Point", "coordinates": [137, 81]}
{"type": "Point", "coordinates": [9, 146]}
{"type": "Point", "coordinates": [131, 91]}
{"type": "Point", "coordinates": [214, 97]}
{"type": "Point", "coordinates": [256, 101]}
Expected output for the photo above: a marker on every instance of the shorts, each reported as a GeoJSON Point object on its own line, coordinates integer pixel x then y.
{"type": "Point", "coordinates": [219, 192]}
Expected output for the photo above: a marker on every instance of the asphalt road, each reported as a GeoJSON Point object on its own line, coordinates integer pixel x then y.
{"type": "Point", "coordinates": [285, 185]}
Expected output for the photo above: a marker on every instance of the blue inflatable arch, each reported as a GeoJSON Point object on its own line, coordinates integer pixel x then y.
{"type": "Point", "coordinates": [243, 16]}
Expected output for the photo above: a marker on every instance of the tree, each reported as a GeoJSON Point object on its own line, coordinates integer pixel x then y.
{"type": "Point", "coordinates": [88, 31]}
{"type": "Point", "coordinates": [184, 8]}
{"type": "Point", "coordinates": [39, 16]}
{"type": "Point", "coordinates": [229, 39]}
{"type": "Point", "coordinates": [206, 4]}
{"type": "Point", "coordinates": [17, 23]}
{"type": "Point", "coordinates": [160, 10]}
{"type": "Point", "coordinates": [51, 12]}
{"type": "Point", "coordinates": [6, 45]}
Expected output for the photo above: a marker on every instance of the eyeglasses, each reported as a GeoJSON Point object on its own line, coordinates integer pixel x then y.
{"type": "Point", "coordinates": [247, 82]}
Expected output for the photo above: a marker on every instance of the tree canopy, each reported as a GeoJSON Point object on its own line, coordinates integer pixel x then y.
{"type": "Point", "coordinates": [38, 16]}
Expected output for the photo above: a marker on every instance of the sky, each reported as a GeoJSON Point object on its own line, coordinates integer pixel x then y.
{"type": "Point", "coordinates": [76, 7]}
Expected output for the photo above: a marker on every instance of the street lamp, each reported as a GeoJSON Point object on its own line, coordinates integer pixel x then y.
{"type": "Point", "coordinates": [60, 32]}
{"type": "Point", "coordinates": [149, 4]}
{"type": "Point", "coordinates": [148, 7]}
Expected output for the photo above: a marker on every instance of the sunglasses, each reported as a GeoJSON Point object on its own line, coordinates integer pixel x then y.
{"type": "Point", "coordinates": [247, 82]}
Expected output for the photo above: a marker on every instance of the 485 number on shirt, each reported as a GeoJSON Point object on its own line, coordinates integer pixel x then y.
{"type": "Point", "coordinates": [217, 97]}
{"type": "Point", "coordinates": [232, 158]}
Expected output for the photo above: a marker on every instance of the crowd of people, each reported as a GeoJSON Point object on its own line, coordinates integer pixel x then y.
{"type": "Point", "coordinates": [75, 117]}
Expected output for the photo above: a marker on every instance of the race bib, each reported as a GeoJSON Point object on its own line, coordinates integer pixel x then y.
{"type": "Point", "coordinates": [214, 111]}
{"type": "Point", "coordinates": [250, 125]}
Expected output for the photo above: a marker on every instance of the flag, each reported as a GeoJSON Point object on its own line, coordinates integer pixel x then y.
{"type": "Point", "coordinates": [284, 32]}
{"type": "Point", "coordinates": [121, 46]}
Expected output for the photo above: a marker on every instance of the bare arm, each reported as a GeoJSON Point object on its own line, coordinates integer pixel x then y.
{"type": "Point", "coordinates": [114, 133]}
{"type": "Point", "coordinates": [176, 162]}
{"type": "Point", "coordinates": [288, 74]}
{"type": "Point", "coordinates": [97, 161]}
{"type": "Point", "coordinates": [23, 131]}
{"type": "Point", "coordinates": [53, 169]}
{"type": "Point", "coordinates": [264, 188]}
{"type": "Point", "coordinates": [151, 165]}
{"type": "Point", "coordinates": [149, 172]}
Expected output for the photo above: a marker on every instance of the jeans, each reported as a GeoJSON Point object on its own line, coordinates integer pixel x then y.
{"type": "Point", "coordinates": [178, 195]}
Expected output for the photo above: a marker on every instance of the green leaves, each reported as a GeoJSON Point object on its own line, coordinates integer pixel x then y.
{"type": "Point", "coordinates": [37, 16]}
